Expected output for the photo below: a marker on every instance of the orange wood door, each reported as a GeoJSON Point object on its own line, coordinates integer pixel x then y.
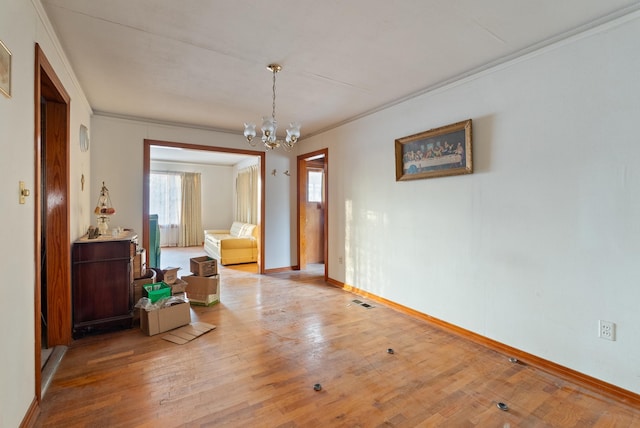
{"type": "Point", "coordinates": [314, 213]}
{"type": "Point", "coordinates": [314, 231]}
{"type": "Point", "coordinates": [55, 226]}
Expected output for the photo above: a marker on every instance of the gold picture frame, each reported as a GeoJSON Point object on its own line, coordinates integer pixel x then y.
{"type": "Point", "coordinates": [5, 70]}
{"type": "Point", "coordinates": [437, 152]}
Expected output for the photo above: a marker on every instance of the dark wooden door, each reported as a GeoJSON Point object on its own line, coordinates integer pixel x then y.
{"type": "Point", "coordinates": [55, 275]}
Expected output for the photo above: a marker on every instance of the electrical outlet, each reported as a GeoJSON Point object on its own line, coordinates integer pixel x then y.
{"type": "Point", "coordinates": [606, 330]}
{"type": "Point", "coordinates": [340, 260]}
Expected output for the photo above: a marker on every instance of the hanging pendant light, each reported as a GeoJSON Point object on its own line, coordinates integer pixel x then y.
{"type": "Point", "coordinates": [270, 126]}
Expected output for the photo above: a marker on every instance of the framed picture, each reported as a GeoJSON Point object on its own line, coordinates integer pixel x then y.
{"type": "Point", "coordinates": [5, 70]}
{"type": "Point", "coordinates": [437, 152]}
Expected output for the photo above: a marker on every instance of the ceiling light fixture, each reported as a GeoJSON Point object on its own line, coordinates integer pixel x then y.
{"type": "Point", "coordinates": [269, 124]}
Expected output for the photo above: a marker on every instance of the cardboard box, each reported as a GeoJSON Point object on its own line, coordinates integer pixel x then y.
{"type": "Point", "coordinates": [202, 284]}
{"type": "Point", "coordinates": [165, 319]}
{"type": "Point", "coordinates": [170, 274]}
{"type": "Point", "coordinates": [140, 264]}
{"type": "Point", "coordinates": [203, 266]}
{"type": "Point", "coordinates": [204, 299]}
{"type": "Point", "coordinates": [179, 286]}
{"type": "Point", "coordinates": [203, 290]}
{"type": "Point", "coordinates": [156, 291]}
{"type": "Point", "coordinates": [150, 278]}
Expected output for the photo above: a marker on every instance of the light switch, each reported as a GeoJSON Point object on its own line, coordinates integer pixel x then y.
{"type": "Point", "coordinates": [24, 192]}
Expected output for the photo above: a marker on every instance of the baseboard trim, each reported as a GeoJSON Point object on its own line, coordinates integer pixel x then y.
{"type": "Point", "coordinates": [31, 416]}
{"type": "Point", "coordinates": [614, 392]}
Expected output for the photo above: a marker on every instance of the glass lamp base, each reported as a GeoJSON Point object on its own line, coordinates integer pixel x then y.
{"type": "Point", "coordinates": [103, 225]}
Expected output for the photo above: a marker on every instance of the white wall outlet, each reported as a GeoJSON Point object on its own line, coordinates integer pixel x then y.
{"type": "Point", "coordinates": [340, 260]}
{"type": "Point", "coordinates": [606, 330]}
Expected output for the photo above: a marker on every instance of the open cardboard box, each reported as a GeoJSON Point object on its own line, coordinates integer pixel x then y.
{"type": "Point", "coordinates": [150, 278]}
{"type": "Point", "coordinates": [165, 319]}
{"type": "Point", "coordinates": [203, 266]}
{"type": "Point", "coordinates": [170, 274]}
{"type": "Point", "coordinates": [203, 290]}
{"type": "Point", "coordinates": [179, 286]}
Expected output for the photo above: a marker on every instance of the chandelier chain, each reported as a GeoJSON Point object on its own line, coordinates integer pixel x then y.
{"type": "Point", "coordinates": [273, 111]}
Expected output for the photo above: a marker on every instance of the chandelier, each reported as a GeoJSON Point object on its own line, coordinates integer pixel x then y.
{"type": "Point", "coordinates": [269, 124]}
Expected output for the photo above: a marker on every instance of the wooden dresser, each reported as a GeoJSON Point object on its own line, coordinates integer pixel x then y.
{"type": "Point", "coordinates": [102, 283]}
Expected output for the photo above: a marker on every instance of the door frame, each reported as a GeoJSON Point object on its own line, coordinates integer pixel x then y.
{"type": "Point", "coordinates": [146, 170]}
{"type": "Point", "coordinates": [47, 85]}
{"type": "Point", "coordinates": [301, 191]}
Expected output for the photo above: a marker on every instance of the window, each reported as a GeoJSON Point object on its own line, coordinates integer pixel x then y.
{"type": "Point", "coordinates": [165, 196]}
{"type": "Point", "coordinates": [314, 185]}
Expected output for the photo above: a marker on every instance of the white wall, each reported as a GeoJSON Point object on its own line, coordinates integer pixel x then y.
{"type": "Point", "coordinates": [280, 208]}
{"type": "Point", "coordinates": [117, 160]}
{"type": "Point", "coordinates": [21, 26]}
{"type": "Point", "coordinates": [542, 241]}
{"type": "Point", "coordinates": [217, 190]}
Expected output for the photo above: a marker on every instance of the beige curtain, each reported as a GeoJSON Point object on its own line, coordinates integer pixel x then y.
{"type": "Point", "coordinates": [191, 232]}
{"type": "Point", "coordinates": [247, 195]}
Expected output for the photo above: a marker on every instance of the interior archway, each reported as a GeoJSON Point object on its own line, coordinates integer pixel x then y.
{"type": "Point", "coordinates": [145, 186]}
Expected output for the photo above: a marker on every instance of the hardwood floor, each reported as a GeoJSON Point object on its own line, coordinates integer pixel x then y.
{"type": "Point", "coordinates": [277, 336]}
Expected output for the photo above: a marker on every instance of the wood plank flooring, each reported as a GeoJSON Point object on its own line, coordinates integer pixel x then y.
{"type": "Point", "coordinates": [278, 335]}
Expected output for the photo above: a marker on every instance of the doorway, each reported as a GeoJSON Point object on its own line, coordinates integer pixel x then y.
{"type": "Point", "coordinates": [312, 205]}
{"type": "Point", "coordinates": [146, 230]}
{"type": "Point", "coordinates": [52, 292]}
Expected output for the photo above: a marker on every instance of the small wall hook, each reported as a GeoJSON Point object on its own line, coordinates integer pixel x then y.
{"type": "Point", "coordinates": [274, 172]}
{"type": "Point", "coordinates": [287, 173]}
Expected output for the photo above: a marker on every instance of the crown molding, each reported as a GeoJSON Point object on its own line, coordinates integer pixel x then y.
{"type": "Point", "coordinates": [597, 26]}
{"type": "Point", "coordinates": [46, 23]}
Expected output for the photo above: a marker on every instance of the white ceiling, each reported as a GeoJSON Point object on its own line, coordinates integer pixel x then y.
{"type": "Point", "coordinates": [202, 62]}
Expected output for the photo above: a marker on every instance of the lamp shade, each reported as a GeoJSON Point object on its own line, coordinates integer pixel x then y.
{"type": "Point", "coordinates": [268, 126]}
{"type": "Point", "coordinates": [293, 132]}
{"type": "Point", "coordinates": [249, 130]}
